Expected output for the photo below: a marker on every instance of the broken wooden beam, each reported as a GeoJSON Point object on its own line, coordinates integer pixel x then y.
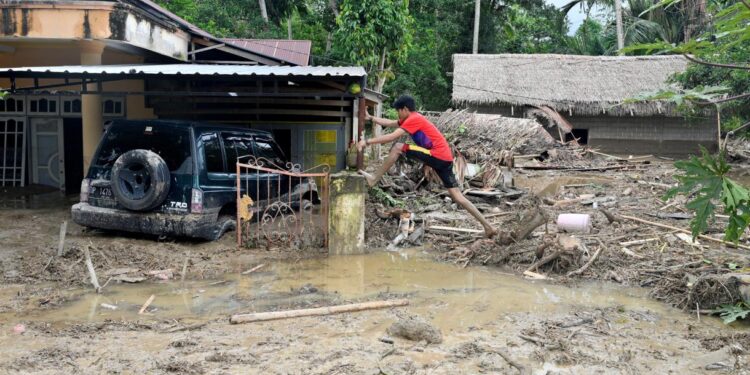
{"type": "Point", "coordinates": [319, 311]}
{"type": "Point", "coordinates": [453, 229]}
{"type": "Point", "coordinates": [701, 236]}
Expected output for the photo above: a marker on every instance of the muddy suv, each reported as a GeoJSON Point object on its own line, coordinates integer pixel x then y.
{"type": "Point", "coordinates": [175, 178]}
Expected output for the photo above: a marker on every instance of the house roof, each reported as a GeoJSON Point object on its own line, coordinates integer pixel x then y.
{"type": "Point", "coordinates": [158, 11]}
{"type": "Point", "coordinates": [588, 85]}
{"type": "Point", "coordinates": [184, 69]}
{"type": "Point", "coordinates": [295, 52]}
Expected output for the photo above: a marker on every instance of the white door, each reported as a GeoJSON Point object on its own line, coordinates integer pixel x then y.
{"type": "Point", "coordinates": [47, 152]}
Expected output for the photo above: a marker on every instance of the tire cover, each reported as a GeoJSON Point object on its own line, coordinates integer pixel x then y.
{"type": "Point", "coordinates": [140, 180]}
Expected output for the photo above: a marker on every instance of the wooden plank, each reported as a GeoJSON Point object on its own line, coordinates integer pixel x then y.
{"type": "Point", "coordinates": [319, 311]}
{"type": "Point", "coordinates": [452, 229]}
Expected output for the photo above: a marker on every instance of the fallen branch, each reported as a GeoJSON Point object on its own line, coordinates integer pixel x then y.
{"type": "Point", "coordinates": [701, 236]}
{"type": "Point", "coordinates": [610, 217]}
{"type": "Point", "coordinates": [147, 304]}
{"type": "Point", "coordinates": [521, 368]}
{"type": "Point", "coordinates": [46, 265]}
{"type": "Point", "coordinates": [92, 272]}
{"type": "Point", "coordinates": [320, 311]}
{"type": "Point", "coordinates": [544, 261]}
{"type": "Point", "coordinates": [254, 269]}
{"type": "Point", "coordinates": [586, 266]}
{"type": "Point", "coordinates": [528, 223]}
{"type": "Point", "coordinates": [576, 323]}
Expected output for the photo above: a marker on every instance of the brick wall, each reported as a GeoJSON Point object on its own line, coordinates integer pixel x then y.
{"type": "Point", "coordinates": [668, 136]}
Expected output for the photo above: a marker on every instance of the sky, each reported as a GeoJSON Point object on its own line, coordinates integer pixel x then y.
{"type": "Point", "coordinates": [575, 16]}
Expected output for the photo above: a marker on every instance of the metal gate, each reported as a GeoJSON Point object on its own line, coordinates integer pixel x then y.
{"type": "Point", "coordinates": [282, 205]}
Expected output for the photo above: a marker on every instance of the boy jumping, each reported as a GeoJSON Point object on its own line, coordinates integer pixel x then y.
{"type": "Point", "coordinates": [431, 149]}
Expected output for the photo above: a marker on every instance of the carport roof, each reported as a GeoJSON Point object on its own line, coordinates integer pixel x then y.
{"type": "Point", "coordinates": [111, 71]}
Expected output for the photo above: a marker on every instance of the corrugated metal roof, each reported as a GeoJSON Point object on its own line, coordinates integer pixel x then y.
{"type": "Point", "coordinates": [193, 69]}
{"type": "Point", "coordinates": [296, 52]}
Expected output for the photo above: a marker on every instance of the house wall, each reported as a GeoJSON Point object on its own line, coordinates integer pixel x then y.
{"type": "Point", "coordinates": [669, 136]}
{"type": "Point", "coordinates": [92, 20]}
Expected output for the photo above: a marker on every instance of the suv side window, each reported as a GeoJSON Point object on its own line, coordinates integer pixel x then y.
{"type": "Point", "coordinates": [212, 153]}
{"type": "Point", "coordinates": [236, 146]}
{"type": "Point", "coordinates": [268, 150]}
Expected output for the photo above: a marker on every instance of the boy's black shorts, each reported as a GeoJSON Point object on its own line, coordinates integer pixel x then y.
{"type": "Point", "coordinates": [443, 168]}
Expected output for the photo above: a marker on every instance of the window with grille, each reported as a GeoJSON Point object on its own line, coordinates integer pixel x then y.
{"type": "Point", "coordinates": [113, 107]}
{"type": "Point", "coordinates": [71, 106]}
{"type": "Point", "coordinates": [46, 105]}
{"type": "Point", "coordinates": [12, 105]}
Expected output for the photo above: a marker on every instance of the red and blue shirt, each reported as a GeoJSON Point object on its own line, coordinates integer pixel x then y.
{"type": "Point", "coordinates": [427, 137]}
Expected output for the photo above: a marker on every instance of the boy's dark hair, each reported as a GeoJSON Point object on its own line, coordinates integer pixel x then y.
{"type": "Point", "coordinates": [405, 101]}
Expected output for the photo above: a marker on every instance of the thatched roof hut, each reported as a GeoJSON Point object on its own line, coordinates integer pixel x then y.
{"type": "Point", "coordinates": [576, 85]}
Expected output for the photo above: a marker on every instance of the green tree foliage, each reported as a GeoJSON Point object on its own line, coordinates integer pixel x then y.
{"type": "Point", "coordinates": [375, 34]}
{"type": "Point", "coordinates": [705, 180]}
{"type": "Point", "coordinates": [531, 27]}
{"type": "Point", "coordinates": [721, 56]}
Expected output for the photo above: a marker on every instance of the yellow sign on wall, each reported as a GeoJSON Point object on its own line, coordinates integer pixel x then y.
{"type": "Point", "coordinates": [325, 136]}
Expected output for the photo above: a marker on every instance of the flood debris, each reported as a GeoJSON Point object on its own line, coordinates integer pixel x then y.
{"type": "Point", "coordinates": [61, 242]}
{"type": "Point", "coordinates": [529, 183]}
{"type": "Point", "coordinates": [415, 328]}
{"type": "Point", "coordinates": [254, 269]}
{"type": "Point", "coordinates": [90, 267]}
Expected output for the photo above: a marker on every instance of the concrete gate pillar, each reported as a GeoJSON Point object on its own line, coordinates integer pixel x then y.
{"type": "Point", "coordinates": [91, 104]}
{"type": "Point", "coordinates": [346, 215]}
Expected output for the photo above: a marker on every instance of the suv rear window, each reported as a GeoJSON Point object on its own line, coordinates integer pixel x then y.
{"type": "Point", "coordinates": [172, 144]}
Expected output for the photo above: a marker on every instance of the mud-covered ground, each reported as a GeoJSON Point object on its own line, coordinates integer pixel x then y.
{"type": "Point", "coordinates": [488, 316]}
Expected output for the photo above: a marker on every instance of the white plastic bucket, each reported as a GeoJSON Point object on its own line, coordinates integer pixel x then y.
{"type": "Point", "coordinates": [580, 223]}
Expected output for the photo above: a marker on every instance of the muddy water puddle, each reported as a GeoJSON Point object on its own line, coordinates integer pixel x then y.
{"type": "Point", "coordinates": [452, 297]}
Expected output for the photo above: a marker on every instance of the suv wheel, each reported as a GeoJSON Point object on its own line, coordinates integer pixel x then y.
{"type": "Point", "coordinates": [140, 180]}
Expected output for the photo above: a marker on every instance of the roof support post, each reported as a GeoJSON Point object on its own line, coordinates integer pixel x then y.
{"type": "Point", "coordinates": [361, 119]}
{"type": "Point", "coordinates": [91, 104]}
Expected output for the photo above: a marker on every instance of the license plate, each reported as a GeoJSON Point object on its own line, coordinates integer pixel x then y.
{"type": "Point", "coordinates": [101, 191]}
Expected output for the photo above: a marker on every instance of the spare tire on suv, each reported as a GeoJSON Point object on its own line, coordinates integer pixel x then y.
{"type": "Point", "coordinates": [140, 180]}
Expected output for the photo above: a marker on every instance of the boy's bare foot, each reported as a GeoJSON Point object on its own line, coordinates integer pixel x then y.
{"type": "Point", "coordinates": [370, 178]}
